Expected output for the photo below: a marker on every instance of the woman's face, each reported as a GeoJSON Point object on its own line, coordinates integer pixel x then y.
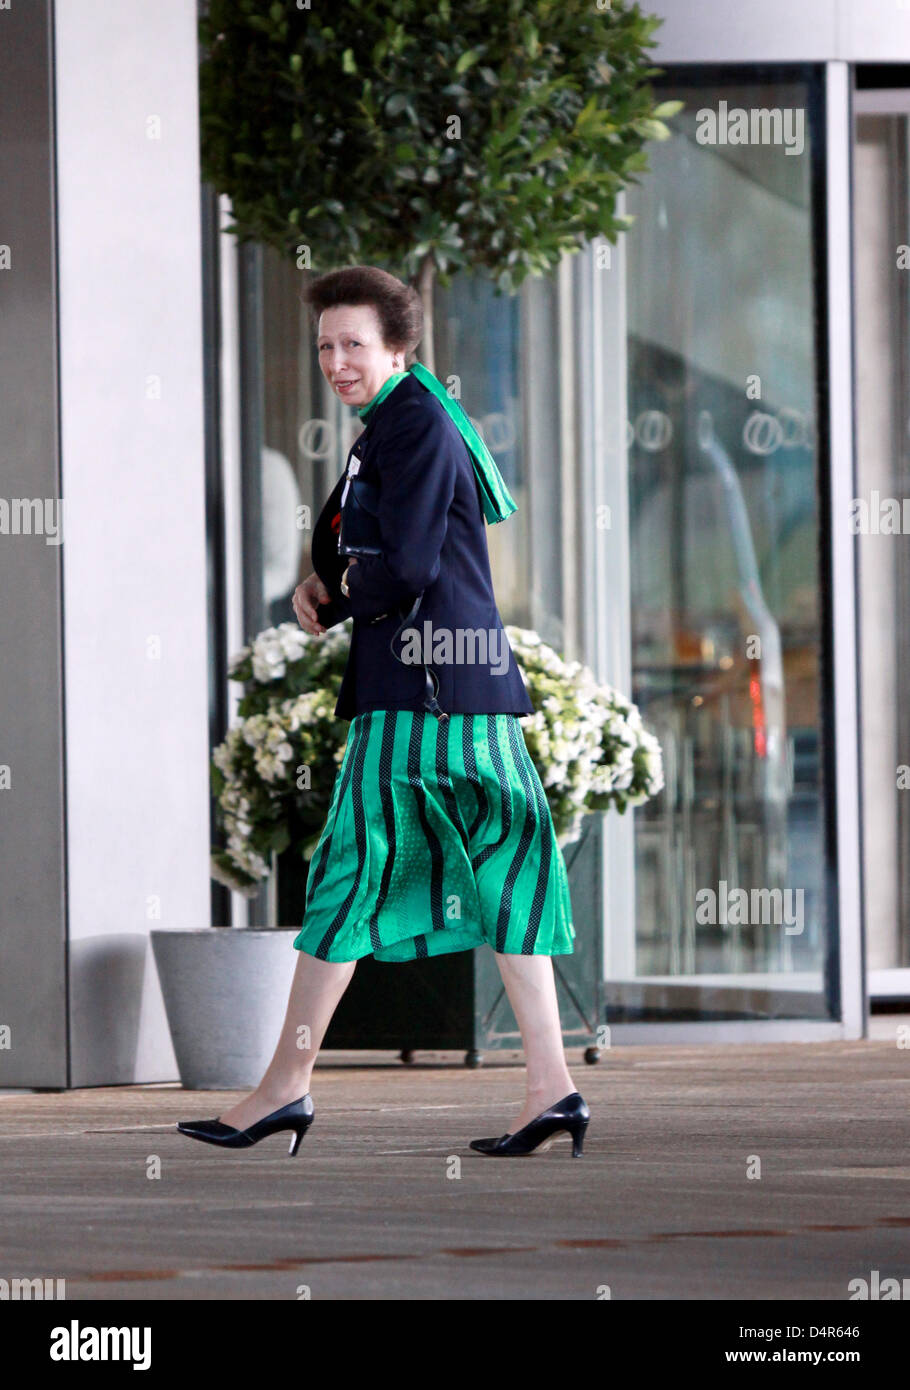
{"type": "Point", "coordinates": [352, 355]}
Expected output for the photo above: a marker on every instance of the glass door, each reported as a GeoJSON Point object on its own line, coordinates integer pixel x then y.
{"type": "Point", "coordinates": [734, 870]}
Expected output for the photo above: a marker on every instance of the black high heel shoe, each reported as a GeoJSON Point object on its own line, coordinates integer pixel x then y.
{"type": "Point", "coordinates": [297, 1115]}
{"type": "Point", "coordinates": [569, 1114]}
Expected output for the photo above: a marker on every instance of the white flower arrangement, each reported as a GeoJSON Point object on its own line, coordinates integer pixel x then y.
{"type": "Point", "coordinates": [586, 740]}
{"type": "Point", "coordinates": [274, 771]}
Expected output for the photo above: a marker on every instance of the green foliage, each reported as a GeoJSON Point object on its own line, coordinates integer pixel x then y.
{"type": "Point", "coordinates": [338, 129]}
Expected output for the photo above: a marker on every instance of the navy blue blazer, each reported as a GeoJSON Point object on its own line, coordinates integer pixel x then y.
{"type": "Point", "coordinates": [434, 539]}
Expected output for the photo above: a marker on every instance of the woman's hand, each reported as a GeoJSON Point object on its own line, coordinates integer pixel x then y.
{"type": "Point", "coordinates": [306, 597]}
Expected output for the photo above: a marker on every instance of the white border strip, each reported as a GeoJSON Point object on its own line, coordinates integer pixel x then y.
{"type": "Point", "coordinates": [879, 101]}
{"type": "Point", "coordinates": [232, 482]}
{"type": "Point", "coordinates": [732, 1031]}
{"type": "Point", "coordinates": [602, 404]}
{"type": "Point", "coordinates": [857, 31]}
{"type": "Point", "coordinates": [894, 980]}
{"type": "Point", "coordinates": [839, 145]}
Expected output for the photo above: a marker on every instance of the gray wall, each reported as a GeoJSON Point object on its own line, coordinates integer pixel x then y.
{"type": "Point", "coordinates": [103, 639]}
{"type": "Point", "coordinates": [32, 848]}
{"type": "Point", "coordinates": [133, 466]}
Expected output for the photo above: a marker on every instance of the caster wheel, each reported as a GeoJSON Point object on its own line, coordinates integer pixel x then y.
{"type": "Point", "coordinates": [407, 1055]}
{"type": "Point", "coordinates": [473, 1058]}
{"type": "Point", "coordinates": [592, 1055]}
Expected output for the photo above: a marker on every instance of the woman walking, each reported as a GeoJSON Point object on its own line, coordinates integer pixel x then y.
{"type": "Point", "coordinates": [438, 837]}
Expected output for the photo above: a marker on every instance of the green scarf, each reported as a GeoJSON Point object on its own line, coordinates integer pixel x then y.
{"type": "Point", "coordinates": [496, 499]}
{"type": "Point", "coordinates": [365, 411]}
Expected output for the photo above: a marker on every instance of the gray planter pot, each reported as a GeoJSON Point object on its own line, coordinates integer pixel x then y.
{"type": "Point", "coordinates": [225, 993]}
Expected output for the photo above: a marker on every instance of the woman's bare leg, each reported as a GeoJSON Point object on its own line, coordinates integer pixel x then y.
{"type": "Point", "coordinates": [316, 991]}
{"type": "Point", "coordinates": [531, 987]}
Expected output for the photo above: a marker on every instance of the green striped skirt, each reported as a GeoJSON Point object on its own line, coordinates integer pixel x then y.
{"type": "Point", "coordinates": [438, 838]}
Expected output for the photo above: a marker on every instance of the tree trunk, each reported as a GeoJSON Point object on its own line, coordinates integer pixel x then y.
{"type": "Point", "coordinates": [425, 280]}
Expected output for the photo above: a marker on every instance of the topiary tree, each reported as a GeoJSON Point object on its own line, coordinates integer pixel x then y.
{"type": "Point", "coordinates": [427, 138]}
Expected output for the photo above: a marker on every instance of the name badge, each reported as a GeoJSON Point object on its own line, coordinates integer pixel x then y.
{"type": "Point", "coordinates": [352, 470]}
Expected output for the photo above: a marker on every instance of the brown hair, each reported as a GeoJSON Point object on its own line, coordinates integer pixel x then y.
{"type": "Point", "coordinates": [397, 304]}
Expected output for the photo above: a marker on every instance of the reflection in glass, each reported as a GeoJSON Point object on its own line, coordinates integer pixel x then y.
{"type": "Point", "coordinates": [726, 618]}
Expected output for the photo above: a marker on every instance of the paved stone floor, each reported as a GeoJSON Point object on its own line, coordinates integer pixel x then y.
{"type": "Point", "coordinates": [385, 1199]}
